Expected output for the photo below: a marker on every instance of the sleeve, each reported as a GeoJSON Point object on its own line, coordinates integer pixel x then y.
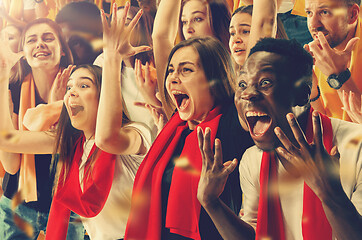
{"type": "Point", "coordinates": [356, 197]}
{"type": "Point", "coordinates": [249, 182]}
{"type": "Point", "coordinates": [145, 133]}
{"type": "Point", "coordinates": [348, 139]}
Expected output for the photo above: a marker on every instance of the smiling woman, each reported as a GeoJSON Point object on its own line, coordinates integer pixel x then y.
{"type": "Point", "coordinates": [45, 54]}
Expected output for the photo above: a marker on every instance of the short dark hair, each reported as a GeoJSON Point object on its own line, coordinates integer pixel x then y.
{"type": "Point", "coordinates": [299, 60]}
{"type": "Point", "coordinates": [351, 2]}
{"type": "Point", "coordinates": [216, 63]}
{"type": "Point", "coordinates": [298, 64]}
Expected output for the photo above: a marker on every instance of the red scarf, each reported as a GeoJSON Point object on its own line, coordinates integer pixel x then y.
{"type": "Point", "coordinates": [183, 209]}
{"type": "Point", "coordinates": [270, 223]}
{"type": "Point", "coordinates": [69, 196]}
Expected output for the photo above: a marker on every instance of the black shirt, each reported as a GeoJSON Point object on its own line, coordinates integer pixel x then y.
{"type": "Point", "coordinates": [42, 166]}
{"type": "Point", "coordinates": [235, 140]}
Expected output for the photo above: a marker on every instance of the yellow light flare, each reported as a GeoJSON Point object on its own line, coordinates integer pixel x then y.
{"type": "Point", "coordinates": [185, 165]}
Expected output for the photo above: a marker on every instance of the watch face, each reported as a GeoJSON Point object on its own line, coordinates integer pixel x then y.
{"type": "Point", "coordinates": [334, 83]}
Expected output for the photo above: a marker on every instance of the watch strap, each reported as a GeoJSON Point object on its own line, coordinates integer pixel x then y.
{"type": "Point", "coordinates": [341, 78]}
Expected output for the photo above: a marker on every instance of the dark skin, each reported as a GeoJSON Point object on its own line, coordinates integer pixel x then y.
{"type": "Point", "coordinates": [309, 161]}
{"type": "Point", "coordinates": [320, 170]}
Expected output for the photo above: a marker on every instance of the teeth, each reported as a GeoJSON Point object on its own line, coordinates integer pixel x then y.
{"type": "Point", "coordinates": [255, 114]}
{"type": "Point", "coordinates": [176, 92]}
{"type": "Point", "coordinates": [41, 54]}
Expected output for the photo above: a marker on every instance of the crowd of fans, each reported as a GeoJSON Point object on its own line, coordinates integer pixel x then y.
{"type": "Point", "coordinates": [180, 119]}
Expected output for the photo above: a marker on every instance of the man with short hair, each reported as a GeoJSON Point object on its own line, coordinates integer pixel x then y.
{"type": "Point", "coordinates": [335, 28]}
{"type": "Point", "coordinates": [301, 180]}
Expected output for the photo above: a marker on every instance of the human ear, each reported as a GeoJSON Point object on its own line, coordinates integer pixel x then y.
{"type": "Point", "coordinates": [353, 13]}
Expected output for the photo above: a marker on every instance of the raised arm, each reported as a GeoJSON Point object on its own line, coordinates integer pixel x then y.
{"type": "Point", "coordinates": [263, 21]}
{"type": "Point", "coordinates": [12, 140]}
{"type": "Point", "coordinates": [110, 134]}
{"type": "Point", "coordinates": [164, 34]}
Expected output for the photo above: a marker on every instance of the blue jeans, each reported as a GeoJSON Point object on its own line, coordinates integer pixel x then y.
{"type": "Point", "coordinates": [38, 220]}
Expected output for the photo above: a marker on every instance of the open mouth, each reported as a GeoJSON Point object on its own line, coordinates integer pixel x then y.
{"type": "Point", "coordinates": [258, 122]}
{"type": "Point", "coordinates": [182, 100]}
{"type": "Point", "coordinates": [75, 109]}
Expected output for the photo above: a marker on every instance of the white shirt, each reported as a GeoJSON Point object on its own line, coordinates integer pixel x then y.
{"type": "Point", "coordinates": [111, 222]}
{"type": "Point", "coordinates": [131, 94]}
{"type": "Point", "coordinates": [346, 136]}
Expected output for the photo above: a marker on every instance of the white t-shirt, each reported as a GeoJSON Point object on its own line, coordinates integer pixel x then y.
{"type": "Point", "coordinates": [346, 136]}
{"type": "Point", "coordinates": [131, 94]}
{"type": "Point", "coordinates": [111, 222]}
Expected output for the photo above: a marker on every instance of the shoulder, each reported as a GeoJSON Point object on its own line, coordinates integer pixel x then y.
{"type": "Point", "coordinates": [251, 161]}
{"type": "Point", "coordinates": [348, 139]}
{"type": "Point", "coordinates": [344, 131]}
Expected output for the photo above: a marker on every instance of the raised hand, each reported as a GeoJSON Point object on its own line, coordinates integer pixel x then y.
{"type": "Point", "coordinates": [214, 172]}
{"type": "Point", "coordinates": [146, 85]}
{"type": "Point", "coordinates": [59, 86]}
{"type": "Point", "coordinates": [158, 114]}
{"type": "Point", "coordinates": [116, 37]}
{"type": "Point", "coordinates": [319, 169]}
{"type": "Point", "coordinates": [329, 60]}
{"type": "Point", "coordinates": [7, 58]}
{"type": "Point", "coordinates": [352, 105]}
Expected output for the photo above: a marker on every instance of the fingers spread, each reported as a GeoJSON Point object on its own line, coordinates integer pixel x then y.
{"type": "Point", "coordinates": [135, 20]}
{"type": "Point", "coordinates": [230, 166]}
{"type": "Point", "coordinates": [284, 140]}
{"type": "Point", "coordinates": [218, 153]}
{"type": "Point", "coordinates": [317, 129]}
{"type": "Point", "coordinates": [297, 131]}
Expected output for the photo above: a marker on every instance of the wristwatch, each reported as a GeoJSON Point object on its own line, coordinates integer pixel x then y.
{"type": "Point", "coordinates": [336, 81]}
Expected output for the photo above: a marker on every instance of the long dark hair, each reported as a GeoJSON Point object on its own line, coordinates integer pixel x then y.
{"type": "Point", "coordinates": [67, 135]}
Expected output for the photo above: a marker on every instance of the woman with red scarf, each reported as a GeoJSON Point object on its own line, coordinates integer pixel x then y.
{"type": "Point", "coordinates": [198, 82]}
{"type": "Point", "coordinates": [99, 148]}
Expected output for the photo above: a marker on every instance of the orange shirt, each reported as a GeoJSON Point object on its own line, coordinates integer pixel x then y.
{"type": "Point", "coordinates": [299, 8]}
{"type": "Point", "coordinates": [329, 96]}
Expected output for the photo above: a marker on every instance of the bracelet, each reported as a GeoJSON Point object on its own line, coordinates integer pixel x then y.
{"type": "Point", "coordinates": [316, 97]}
{"type": "Point", "coordinates": [38, 1]}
